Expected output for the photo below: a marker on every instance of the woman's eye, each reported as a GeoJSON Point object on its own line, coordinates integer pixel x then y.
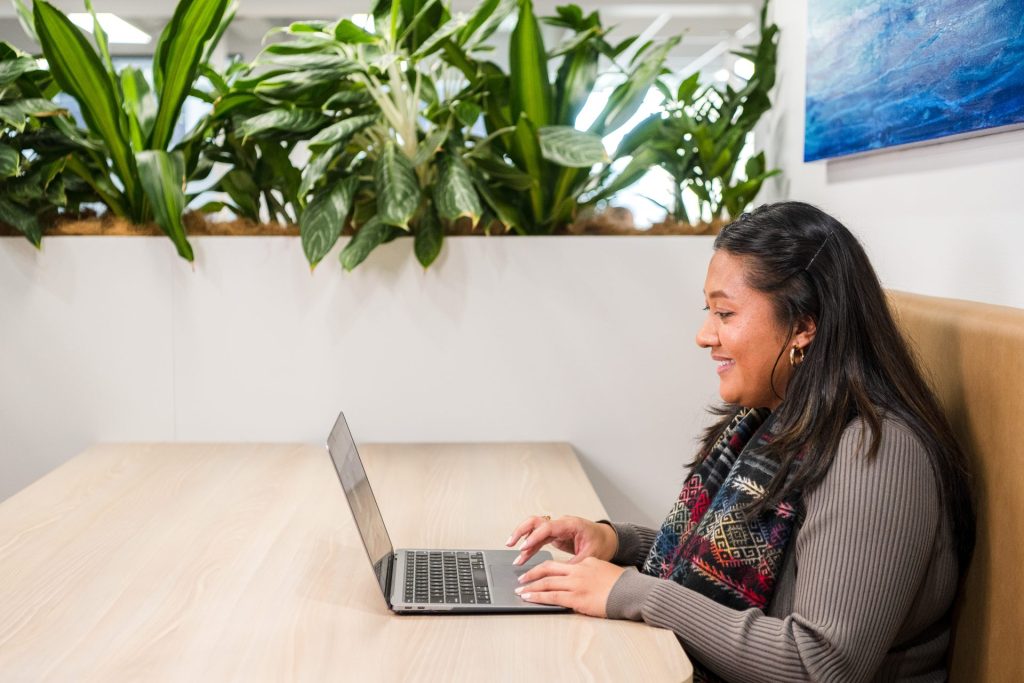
{"type": "Point", "coordinates": [723, 314]}
{"type": "Point", "coordinates": [706, 308]}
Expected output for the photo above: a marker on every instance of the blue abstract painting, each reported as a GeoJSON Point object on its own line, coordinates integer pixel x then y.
{"type": "Point", "coordinates": [892, 72]}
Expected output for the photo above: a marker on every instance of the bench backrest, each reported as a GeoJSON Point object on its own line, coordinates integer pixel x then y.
{"type": "Point", "coordinates": [973, 354]}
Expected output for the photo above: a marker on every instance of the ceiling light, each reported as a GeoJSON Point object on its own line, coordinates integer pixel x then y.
{"type": "Point", "coordinates": [117, 29]}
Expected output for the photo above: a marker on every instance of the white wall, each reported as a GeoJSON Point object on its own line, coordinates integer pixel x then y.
{"type": "Point", "coordinates": [581, 339]}
{"type": "Point", "coordinates": [943, 219]}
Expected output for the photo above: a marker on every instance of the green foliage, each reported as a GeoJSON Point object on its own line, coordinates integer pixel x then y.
{"type": "Point", "coordinates": [32, 146]}
{"type": "Point", "coordinates": [400, 129]}
{"type": "Point", "coordinates": [532, 133]}
{"type": "Point", "coordinates": [699, 139]}
{"type": "Point", "coordinates": [124, 118]}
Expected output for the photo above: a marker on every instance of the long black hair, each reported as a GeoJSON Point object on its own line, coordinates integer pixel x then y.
{"type": "Point", "coordinates": [858, 366]}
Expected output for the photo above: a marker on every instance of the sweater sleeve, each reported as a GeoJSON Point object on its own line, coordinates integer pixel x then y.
{"type": "Point", "coordinates": [861, 554]}
{"type": "Point", "coordinates": [635, 543]}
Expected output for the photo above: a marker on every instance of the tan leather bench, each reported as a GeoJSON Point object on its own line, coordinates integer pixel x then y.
{"type": "Point", "coordinates": [973, 355]}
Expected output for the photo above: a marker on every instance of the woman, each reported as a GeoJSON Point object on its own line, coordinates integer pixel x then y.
{"type": "Point", "coordinates": [823, 528]}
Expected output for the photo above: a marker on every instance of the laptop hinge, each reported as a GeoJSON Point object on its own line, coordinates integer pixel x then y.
{"type": "Point", "coordinates": [389, 574]}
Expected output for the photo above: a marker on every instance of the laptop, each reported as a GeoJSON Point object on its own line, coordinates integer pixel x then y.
{"type": "Point", "coordinates": [427, 581]}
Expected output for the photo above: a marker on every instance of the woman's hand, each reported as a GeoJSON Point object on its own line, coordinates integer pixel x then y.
{"type": "Point", "coordinates": [582, 587]}
{"type": "Point", "coordinates": [575, 535]}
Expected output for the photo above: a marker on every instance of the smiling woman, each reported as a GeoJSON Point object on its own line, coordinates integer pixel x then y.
{"type": "Point", "coordinates": [745, 338]}
{"type": "Point", "coordinates": [822, 530]}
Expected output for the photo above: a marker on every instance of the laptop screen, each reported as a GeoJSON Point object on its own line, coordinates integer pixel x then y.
{"type": "Point", "coordinates": [360, 499]}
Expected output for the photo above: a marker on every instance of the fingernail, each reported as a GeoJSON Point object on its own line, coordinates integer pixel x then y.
{"type": "Point", "coordinates": [518, 560]}
{"type": "Point", "coordinates": [509, 541]}
{"type": "Point", "coordinates": [522, 577]}
{"type": "Point", "coordinates": [526, 596]}
{"type": "Point", "coordinates": [519, 590]}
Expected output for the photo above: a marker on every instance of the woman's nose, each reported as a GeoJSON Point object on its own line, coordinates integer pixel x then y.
{"type": "Point", "coordinates": [706, 337]}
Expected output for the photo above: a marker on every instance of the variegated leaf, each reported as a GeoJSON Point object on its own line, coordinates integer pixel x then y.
{"type": "Point", "coordinates": [566, 146]}
{"type": "Point", "coordinates": [322, 221]}
{"type": "Point", "coordinates": [455, 194]}
{"type": "Point", "coordinates": [398, 190]}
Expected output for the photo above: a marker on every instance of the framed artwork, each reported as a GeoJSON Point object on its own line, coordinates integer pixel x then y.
{"type": "Point", "coordinates": [891, 72]}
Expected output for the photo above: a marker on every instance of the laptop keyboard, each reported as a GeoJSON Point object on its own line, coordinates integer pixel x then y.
{"type": "Point", "coordinates": [446, 577]}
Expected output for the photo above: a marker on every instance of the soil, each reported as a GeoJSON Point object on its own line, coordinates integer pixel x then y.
{"type": "Point", "coordinates": [614, 221]}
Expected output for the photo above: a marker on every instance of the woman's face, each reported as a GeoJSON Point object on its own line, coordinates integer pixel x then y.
{"type": "Point", "coordinates": [744, 336]}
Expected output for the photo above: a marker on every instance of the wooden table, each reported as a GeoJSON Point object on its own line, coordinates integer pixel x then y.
{"type": "Point", "coordinates": [241, 562]}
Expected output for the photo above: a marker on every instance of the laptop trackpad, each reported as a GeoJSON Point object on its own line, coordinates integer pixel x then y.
{"type": "Point", "coordinates": [505, 579]}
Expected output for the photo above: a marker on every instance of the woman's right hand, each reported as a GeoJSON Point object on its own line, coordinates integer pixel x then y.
{"type": "Point", "coordinates": [575, 535]}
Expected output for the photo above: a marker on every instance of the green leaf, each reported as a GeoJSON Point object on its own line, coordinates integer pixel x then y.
{"type": "Point", "coordinates": [100, 36]}
{"type": "Point", "coordinates": [163, 180]}
{"type": "Point", "coordinates": [507, 211]}
{"type": "Point", "coordinates": [484, 16]}
{"type": "Point", "coordinates": [575, 82]}
{"type": "Point", "coordinates": [371, 235]}
{"type": "Point", "coordinates": [721, 164]}
{"type": "Point", "coordinates": [468, 113]}
{"type": "Point", "coordinates": [688, 88]}
{"type": "Point", "coordinates": [176, 62]}
{"type": "Point", "coordinates": [244, 191]}
{"type": "Point", "coordinates": [434, 42]}
{"type": "Point", "coordinates": [214, 207]}
{"type": "Point", "coordinates": [430, 146]}
{"type": "Point", "coordinates": [12, 69]}
{"type": "Point", "coordinates": [340, 132]}
{"type": "Point", "coordinates": [336, 64]}
{"type": "Point", "coordinates": [10, 162]}
{"type": "Point", "coordinates": [626, 99]}
{"type": "Point", "coordinates": [528, 71]}
{"type": "Point", "coordinates": [640, 135]}
{"type": "Point", "coordinates": [503, 174]}
{"type": "Point", "coordinates": [235, 100]}
{"type": "Point", "coordinates": [23, 220]}
{"type": "Point", "coordinates": [638, 166]}
{"type": "Point", "coordinates": [527, 154]}
{"type": "Point", "coordinates": [398, 191]}
{"type": "Point", "coordinates": [429, 238]}
{"type": "Point", "coordinates": [454, 195]}
{"type": "Point", "coordinates": [292, 86]}
{"type": "Point", "coordinates": [284, 120]}
{"type": "Point", "coordinates": [566, 146]}
{"type": "Point", "coordinates": [317, 168]}
{"type": "Point", "coordinates": [140, 104]}
{"type": "Point", "coordinates": [311, 42]}
{"type": "Point", "coordinates": [755, 165]}
{"type": "Point", "coordinates": [17, 113]}
{"type": "Point", "coordinates": [347, 99]}
{"type": "Point", "coordinates": [100, 184]}
{"type": "Point", "coordinates": [347, 32]}
{"type": "Point", "coordinates": [211, 44]}
{"type": "Point", "coordinates": [78, 70]}
{"type": "Point", "coordinates": [27, 21]}
{"type": "Point", "coordinates": [322, 221]}
{"type": "Point", "coordinates": [310, 26]}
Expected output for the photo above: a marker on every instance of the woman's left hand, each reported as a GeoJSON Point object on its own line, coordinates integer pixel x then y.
{"type": "Point", "coordinates": [582, 587]}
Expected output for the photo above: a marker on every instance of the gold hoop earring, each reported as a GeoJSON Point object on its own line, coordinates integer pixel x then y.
{"type": "Point", "coordinates": [796, 356]}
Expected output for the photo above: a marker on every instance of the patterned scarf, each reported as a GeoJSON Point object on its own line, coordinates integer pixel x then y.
{"type": "Point", "coordinates": [708, 542]}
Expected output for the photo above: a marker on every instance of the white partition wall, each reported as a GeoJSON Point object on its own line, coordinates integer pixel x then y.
{"type": "Point", "coordinates": [588, 340]}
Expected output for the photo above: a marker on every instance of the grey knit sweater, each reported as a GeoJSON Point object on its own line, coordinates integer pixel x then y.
{"type": "Point", "coordinates": [864, 592]}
